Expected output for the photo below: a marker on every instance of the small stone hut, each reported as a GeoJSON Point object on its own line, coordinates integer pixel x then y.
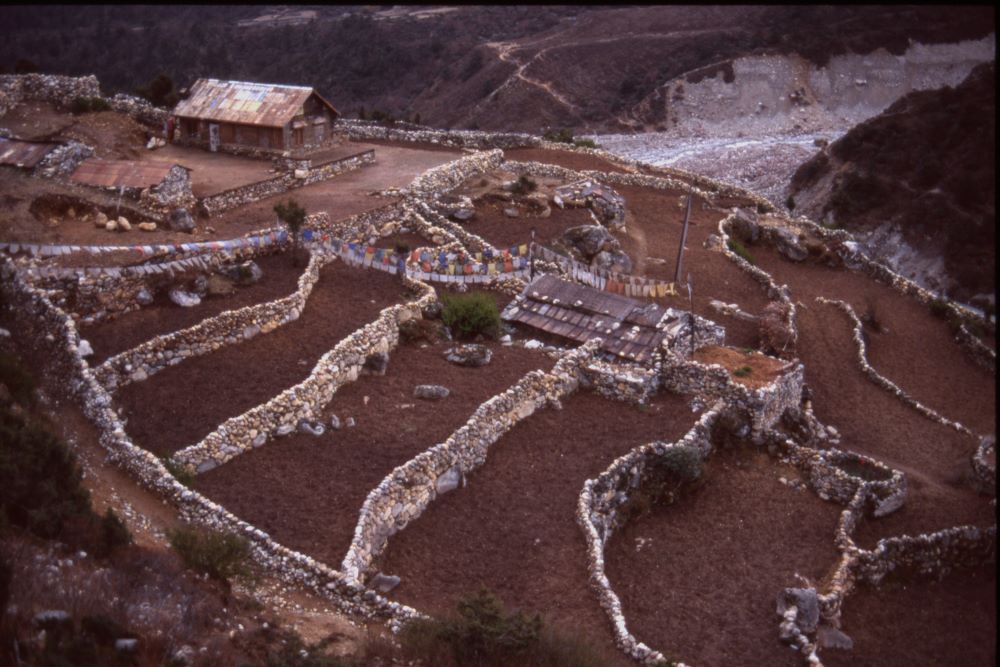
{"type": "Point", "coordinates": [240, 117]}
{"type": "Point", "coordinates": [155, 185]}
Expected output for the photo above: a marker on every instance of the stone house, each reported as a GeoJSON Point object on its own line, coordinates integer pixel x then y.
{"type": "Point", "coordinates": [157, 186]}
{"type": "Point", "coordinates": [241, 117]}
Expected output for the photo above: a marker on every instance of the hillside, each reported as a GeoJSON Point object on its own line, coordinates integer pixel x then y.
{"type": "Point", "coordinates": [492, 67]}
{"type": "Point", "coordinates": [918, 182]}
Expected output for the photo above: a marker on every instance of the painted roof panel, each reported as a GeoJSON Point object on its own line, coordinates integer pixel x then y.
{"type": "Point", "coordinates": [25, 154]}
{"type": "Point", "coordinates": [266, 104]}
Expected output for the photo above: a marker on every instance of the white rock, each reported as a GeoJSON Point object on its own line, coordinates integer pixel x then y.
{"type": "Point", "coordinates": [84, 348]}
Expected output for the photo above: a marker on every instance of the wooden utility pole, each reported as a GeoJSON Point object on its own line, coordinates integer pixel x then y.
{"type": "Point", "coordinates": [531, 257]}
{"type": "Point", "coordinates": [691, 309]}
{"type": "Point", "coordinates": [684, 236]}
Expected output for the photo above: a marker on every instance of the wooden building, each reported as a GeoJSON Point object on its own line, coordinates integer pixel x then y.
{"type": "Point", "coordinates": [234, 116]}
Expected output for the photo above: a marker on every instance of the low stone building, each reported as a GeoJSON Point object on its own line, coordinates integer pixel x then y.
{"type": "Point", "coordinates": [241, 117]}
{"type": "Point", "coordinates": [154, 185]}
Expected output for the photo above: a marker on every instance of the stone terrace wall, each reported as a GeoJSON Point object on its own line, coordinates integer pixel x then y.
{"type": "Point", "coordinates": [56, 334]}
{"type": "Point", "coordinates": [53, 88]}
{"type": "Point", "coordinates": [226, 328]}
{"type": "Point", "coordinates": [359, 130]}
{"type": "Point", "coordinates": [407, 491]}
{"type": "Point", "coordinates": [450, 175]}
{"type": "Point", "coordinates": [246, 194]}
{"type": "Point", "coordinates": [282, 414]}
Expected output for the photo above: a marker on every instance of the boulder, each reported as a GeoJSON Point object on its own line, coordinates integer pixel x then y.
{"type": "Point", "coordinates": [335, 422]}
{"type": "Point", "coordinates": [458, 207]}
{"type": "Point", "coordinates": [180, 221]}
{"type": "Point", "coordinates": [183, 297]}
{"type": "Point", "coordinates": [589, 240]}
{"type": "Point", "coordinates": [143, 297]}
{"type": "Point", "coordinates": [449, 481]}
{"type": "Point", "coordinates": [147, 226]}
{"type": "Point", "coordinates": [376, 364]}
{"type": "Point", "coordinates": [200, 285]}
{"type": "Point", "coordinates": [833, 638]}
{"type": "Point", "coordinates": [123, 223]}
{"type": "Point", "coordinates": [512, 212]}
{"type": "Point", "coordinates": [745, 226]}
{"type": "Point", "coordinates": [243, 274]}
{"type": "Point", "coordinates": [384, 583]}
{"type": "Point", "coordinates": [613, 260]}
{"type": "Point", "coordinates": [100, 220]}
{"type": "Point", "coordinates": [472, 355]}
{"type": "Point", "coordinates": [312, 428]}
{"type": "Point", "coordinates": [431, 392]}
{"type": "Point", "coordinates": [788, 244]}
{"type": "Point", "coordinates": [111, 225]}
{"type": "Point", "coordinates": [806, 602]}
{"type": "Point", "coordinates": [85, 348]}
{"type": "Point", "coordinates": [126, 645]}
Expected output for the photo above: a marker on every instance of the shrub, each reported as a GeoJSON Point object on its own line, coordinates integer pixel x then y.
{"type": "Point", "coordinates": [468, 315]}
{"type": "Point", "coordinates": [483, 634]}
{"type": "Point", "coordinates": [220, 555]}
{"type": "Point", "coordinates": [524, 185]}
{"type": "Point", "coordinates": [663, 480]}
{"type": "Point", "coordinates": [584, 143]}
{"type": "Point", "coordinates": [790, 203]}
{"type": "Point", "coordinates": [740, 250]}
{"type": "Point", "coordinates": [564, 136]}
{"type": "Point", "coordinates": [180, 473]}
{"type": "Point", "coordinates": [414, 331]}
{"type": "Point", "coordinates": [743, 371]}
{"type": "Point", "coordinates": [18, 381]}
{"type": "Point", "coordinates": [114, 534]}
{"type": "Point", "coordinates": [939, 308]}
{"type": "Point", "coordinates": [88, 104]}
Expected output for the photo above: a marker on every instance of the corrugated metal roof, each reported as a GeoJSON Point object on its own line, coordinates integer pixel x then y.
{"type": "Point", "coordinates": [116, 173]}
{"type": "Point", "coordinates": [245, 103]}
{"type": "Point", "coordinates": [580, 313]}
{"type": "Point", "coordinates": [26, 154]}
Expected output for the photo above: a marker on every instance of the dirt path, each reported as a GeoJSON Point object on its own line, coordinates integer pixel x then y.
{"type": "Point", "coordinates": [513, 528]}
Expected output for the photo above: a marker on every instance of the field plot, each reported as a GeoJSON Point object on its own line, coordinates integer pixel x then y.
{"type": "Point", "coordinates": [698, 578]}
{"type": "Point", "coordinates": [164, 316]}
{"type": "Point", "coordinates": [492, 224]}
{"type": "Point", "coordinates": [180, 405]}
{"type": "Point", "coordinates": [567, 159]}
{"type": "Point", "coordinates": [306, 491]}
{"type": "Point", "coordinates": [513, 529]}
{"type": "Point", "coordinates": [871, 421]}
{"type": "Point", "coordinates": [901, 331]}
{"type": "Point", "coordinates": [951, 622]}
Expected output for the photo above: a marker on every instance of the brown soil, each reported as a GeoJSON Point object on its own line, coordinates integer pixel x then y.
{"type": "Point", "coordinates": [212, 173]}
{"type": "Point", "coordinates": [871, 421]}
{"type": "Point", "coordinates": [513, 528]}
{"type": "Point", "coordinates": [567, 159]}
{"type": "Point", "coordinates": [763, 368]}
{"type": "Point", "coordinates": [654, 224]}
{"type": "Point", "coordinates": [493, 225]}
{"type": "Point", "coordinates": [164, 316]}
{"type": "Point", "coordinates": [946, 379]}
{"type": "Point", "coordinates": [182, 404]}
{"type": "Point", "coordinates": [412, 239]}
{"type": "Point", "coordinates": [113, 135]}
{"type": "Point", "coordinates": [306, 491]}
{"type": "Point", "coordinates": [698, 579]}
{"type": "Point", "coordinates": [947, 622]}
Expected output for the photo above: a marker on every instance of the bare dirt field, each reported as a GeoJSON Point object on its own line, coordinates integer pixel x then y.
{"type": "Point", "coordinates": [512, 528]}
{"type": "Point", "coordinates": [570, 160]}
{"type": "Point", "coordinates": [183, 403]}
{"type": "Point", "coordinates": [164, 316]}
{"type": "Point", "coordinates": [698, 578]}
{"type": "Point", "coordinates": [306, 491]}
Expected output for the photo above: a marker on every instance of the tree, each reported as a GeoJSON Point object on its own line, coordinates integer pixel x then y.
{"type": "Point", "coordinates": [294, 216]}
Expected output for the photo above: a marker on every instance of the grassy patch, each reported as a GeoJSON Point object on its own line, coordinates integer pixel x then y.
{"type": "Point", "coordinates": [469, 315]}
{"type": "Point", "coordinates": [740, 250]}
{"type": "Point", "coordinates": [222, 556]}
{"type": "Point", "coordinates": [743, 371]}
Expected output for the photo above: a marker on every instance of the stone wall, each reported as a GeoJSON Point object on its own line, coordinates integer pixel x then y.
{"type": "Point", "coordinates": [246, 194]}
{"type": "Point", "coordinates": [52, 88]}
{"type": "Point", "coordinates": [450, 175]}
{"type": "Point", "coordinates": [304, 402]}
{"type": "Point", "coordinates": [407, 491]}
{"type": "Point", "coordinates": [56, 334]}
{"type": "Point", "coordinates": [359, 130]}
{"type": "Point", "coordinates": [227, 328]}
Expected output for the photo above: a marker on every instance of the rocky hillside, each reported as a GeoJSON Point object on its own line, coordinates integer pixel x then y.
{"type": "Point", "coordinates": [494, 67]}
{"type": "Point", "coordinates": [918, 181]}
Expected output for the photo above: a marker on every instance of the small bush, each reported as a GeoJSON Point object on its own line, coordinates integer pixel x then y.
{"type": "Point", "coordinates": [80, 105]}
{"type": "Point", "coordinates": [524, 185]}
{"type": "Point", "coordinates": [180, 473]}
{"type": "Point", "coordinates": [939, 308]}
{"type": "Point", "coordinates": [401, 248]}
{"type": "Point", "coordinates": [416, 331]}
{"type": "Point", "coordinates": [18, 381]}
{"type": "Point", "coordinates": [584, 143]}
{"type": "Point", "coordinates": [563, 136]}
{"type": "Point", "coordinates": [221, 556]}
{"type": "Point", "coordinates": [468, 315]}
{"type": "Point", "coordinates": [740, 250]}
{"type": "Point", "coordinates": [743, 371]}
{"type": "Point", "coordinates": [790, 203]}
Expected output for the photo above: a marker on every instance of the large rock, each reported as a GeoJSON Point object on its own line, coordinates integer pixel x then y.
{"type": "Point", "coordinates": [180, 221]}
{"type": "Point", "coordinates": [376, 364]}
{"type": "Point", "coordinates": [431, 392]}
{"type": "Point", "coordinates": [613, 260]}
{"type": "Point", "coordinates": [220, 285]}
{"type": "Point", "coordinates": [245, 273]}
{"type": "Point", "coordinates": [184, 298]}
{"type": "Point", "coordinates": [806, 602]}
{"type": "Point", "coordinates": [458, 207]}
{"type": "Point", "coordinates": [788, 244]}
{"type": "Point", "coordinates": [745, 226]}
{"type": "Point", "coordinates": [200, 285]}
{"type": "Point", "coordinates": [589, 240]}
{"type": "Point", "coordinates": [384, 583]}
{"type": "Point", "coordinates": [472, 355]}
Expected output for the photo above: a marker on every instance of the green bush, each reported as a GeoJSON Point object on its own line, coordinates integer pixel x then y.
{"type": "Point", "coordinates": [738, 248]}
{"type": "Point", "coordinates": [220, 555]}
{"type": "Point", "coordinates": [584, 143]}
{"type": "Point", "coordinates": [18, 381]}
{"type": "Point", "coordinates": [468, 315]}
{"type": "Point", "coordinates": [88, 104]}
{"type": "Point", "coordinates": [663, 480]}
{"type": "Point", "coordinates": [180, 473]}
{"type": "Point", "coordinates": [563, 136]}
{"type": "Point", "coordinates": [114, 534]}
{"type": "Point", "coordinates": [939, 308]}
{"type": "Point", "coordinates": [483, 634]}
{"type": "Point", "coordinates": [790, 203]}
{"type": "Point", "coordinates": [524, 185]}
{"type": "Point", "coordinates": [40, 487]}
{"type": "Point", "coordinates": [743, 371]}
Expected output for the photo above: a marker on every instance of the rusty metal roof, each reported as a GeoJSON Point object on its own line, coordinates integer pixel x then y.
{"type": "Point", "coordinates": [26, 154]}
{"type": "Point", "coordinates": [116, 173]}
{"type": "Point", "coordinates": [265, 104]}
{"type": "Point", "coordinates": [580, 313]}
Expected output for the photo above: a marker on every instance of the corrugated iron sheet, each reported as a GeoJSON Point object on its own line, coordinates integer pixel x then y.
{"type": "Point", "coordinates": [25, 154]}
{"type": "Point", "coordinates": [116, 173]}
{"type": "Point", "coordinates": [244, 103]}
{"type": "Point", "coordinates": [579, 313]}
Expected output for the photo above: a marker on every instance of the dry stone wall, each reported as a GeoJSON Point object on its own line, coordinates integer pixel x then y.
{"type": "Point", "coordinates": [56, 333]}
{"type": "Point", "coordinates": [359, 130]}
{"type": "Point", "coordinates": [407, 491]}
